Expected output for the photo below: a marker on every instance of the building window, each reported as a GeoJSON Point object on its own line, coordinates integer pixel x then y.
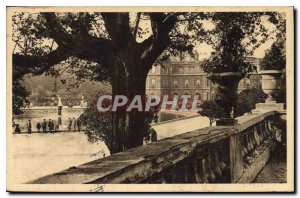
{"type": "Point", "coordinates": [153, 70]}
{"type": "Point", "coordinates": [192, 70]}
{"type": "Point", "coordinates": [153, 83]}
{"type": "Point", "coordinates": [199, 95]}
{"type": "Point", "coordinates": [198, 83]}
{"type": "Point", "coordinates": [207, 82]}
{"type": "Point", "coordinates": [175, 83]}
{"type": "Point", "coordinates": [180, 70]}
{"type": "Point", "coordinates": [186, 83]}
{"type": "Point", "coordinates": [186, 69]}
{"type": "Point", "coordinates": [207, 95]}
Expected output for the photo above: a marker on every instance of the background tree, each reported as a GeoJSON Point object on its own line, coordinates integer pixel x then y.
{"type": "Point", "coordinates": [212, 111]}
{"type": "Point", "coordinates": [120, 48]}
{"type": "Point", "coordinates": [98, 125]}
{"type": "Point", "coordinates": [245, 104]}
{"type": "Point", "coordinates": [247, 100]}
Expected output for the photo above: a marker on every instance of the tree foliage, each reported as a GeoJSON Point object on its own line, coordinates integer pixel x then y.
{"type": "Point", "coordinates": [99, 125]}
{"type": "Point", "coordinates": [236, 35]}
{"type": "Point", "coordinates": [274, 59]}
{"type": "Point", "coordinates": [212, 111]}
{"type": "Point", "coordinates": [246, 102]}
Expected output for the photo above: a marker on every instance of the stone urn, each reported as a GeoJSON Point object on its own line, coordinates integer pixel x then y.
{"type": "Point", "coordinates": [225, 87]}
{"type": "Point", "coordinates": [271, 82]}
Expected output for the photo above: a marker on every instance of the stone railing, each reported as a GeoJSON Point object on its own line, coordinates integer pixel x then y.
{"type": "Point", "coordinates": [218, 154]}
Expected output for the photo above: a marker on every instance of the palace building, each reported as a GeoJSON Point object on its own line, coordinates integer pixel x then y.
{"type": "Point", "coordinates": [186, 77]}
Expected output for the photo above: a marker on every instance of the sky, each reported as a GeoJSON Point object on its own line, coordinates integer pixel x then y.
{"type": "Point", "coordinates": [204, 50]}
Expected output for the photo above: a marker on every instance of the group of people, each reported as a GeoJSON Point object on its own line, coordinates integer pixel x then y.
{"type": "Point", "coordinates": [74, 124]}
{"type": "Point", "coordinates": [49, 126]}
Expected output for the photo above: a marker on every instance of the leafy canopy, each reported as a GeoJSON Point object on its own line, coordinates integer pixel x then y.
{"type": "Point", "coordinates": [274, 58]}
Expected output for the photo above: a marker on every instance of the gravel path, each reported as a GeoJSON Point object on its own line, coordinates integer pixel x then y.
{"type": "Point", "coordinates": [275, 170]}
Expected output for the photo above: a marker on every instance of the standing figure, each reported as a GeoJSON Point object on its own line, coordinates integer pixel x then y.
{"type": "Point", "coordinates": [79, 124]}
{"type": "Point", "coordinates": [14, 125]}
{"type": "Point", "coordinates": [44, 126]}
{"type": "Point", "coordinates": [74, 124]}
{"type": "Point", "coordinates": [50, 125]}
{"type": "Point", "coordinates": [29, 126]}
{"type": "Point", "coordinates": [69, 124]}
{"type": "Point", "coordinates": [38, 126]}
{"type": "Point", "coordinates": [17, 129]}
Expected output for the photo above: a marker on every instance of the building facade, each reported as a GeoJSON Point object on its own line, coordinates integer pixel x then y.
{"type": "Point", "coordinates": [186, 77]}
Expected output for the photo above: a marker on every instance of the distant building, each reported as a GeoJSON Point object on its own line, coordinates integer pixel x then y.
{"type": "Point", "coordinates": [186, 77]}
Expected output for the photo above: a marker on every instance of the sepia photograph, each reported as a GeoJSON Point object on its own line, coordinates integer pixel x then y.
{"type": "Point", "coordinates": [150, 99]}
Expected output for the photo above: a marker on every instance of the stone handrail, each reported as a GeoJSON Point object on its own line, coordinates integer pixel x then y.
{"type": "Point", "coordinates": [217, 154]}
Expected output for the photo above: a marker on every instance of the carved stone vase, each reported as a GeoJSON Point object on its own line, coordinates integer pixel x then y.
{"type": "Point", "coordinates": [270, 81]}
{"type": "Point", "coordinates": [225, 88]}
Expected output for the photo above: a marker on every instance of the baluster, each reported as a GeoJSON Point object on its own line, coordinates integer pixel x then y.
{"type": "Point", "coordinates": [262, 130]}
{"type": "Point", "coordinates": [211, 176]}
{"type": "Point", "coordinates": [251, 135]}
{"type": "Point", "coordinates": [268, 132]}
{"type": "Point", "coordinates": [163, 179]}
{"type": "Point", "coordinates": [204, 171]}
{"type": "Point", "coordinates": [199, 170]}
{"type": "Point", "coordinates": [244, 143]}
{"type": "Point", "coordinates": [186, 171]}
{"type": "Point", "coordinates": [261, 135]}
{"type": "Point", "coordinates": [253, 139]}
{"type": "Point", "coordinates": [215, 164]}
{"type": "Point", "coordinates": [169, 175]}
{"type": "Point", "coordinates": [249, 145]}
{"type": "Point", "coordinates": [256, 136]}
{"type": "Point", "coordinates": [219, 153]}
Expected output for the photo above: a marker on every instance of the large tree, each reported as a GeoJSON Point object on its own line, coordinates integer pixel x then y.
{"type": "Point", "coordinates": [120, 48]}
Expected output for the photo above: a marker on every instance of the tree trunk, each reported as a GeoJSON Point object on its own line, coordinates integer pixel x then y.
{"type": "Point", "coordinates": [137, 125]}
{"type": "Point", "coordinates": [128, 128]}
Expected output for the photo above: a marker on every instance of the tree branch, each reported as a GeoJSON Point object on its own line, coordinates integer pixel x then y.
{"type": "Point", "coordinates": [93, 49]}
{"type": "Point", "coordinates": [25, 64]}
{"type": "Point", "coordinates": [137, 24]}
{"type": "Point", "coordinates": [162, 25]}
{"type": "Point", "coordinates": [117, 26]}
{"type": "Point", "coordinates": [55, 30]}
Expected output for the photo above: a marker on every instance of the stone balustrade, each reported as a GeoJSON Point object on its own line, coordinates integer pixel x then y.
{"type": "Point", "coordinates": [217, 154]}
